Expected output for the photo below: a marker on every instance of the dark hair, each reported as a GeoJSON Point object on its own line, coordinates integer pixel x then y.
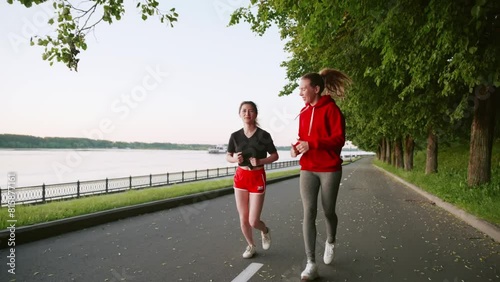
{"type": "Point", "coordinates": [254, 106]}
{"type": "Point", "coordinates": [332, 80]}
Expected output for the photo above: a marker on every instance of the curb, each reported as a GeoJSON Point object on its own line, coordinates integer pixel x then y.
{"type": "Point", "coordinates": [30, 233]}
{"type": "Point", "coordinates": [480, 224]}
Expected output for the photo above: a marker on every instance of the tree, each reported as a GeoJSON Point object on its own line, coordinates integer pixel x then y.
{"type": "Point", "coordinates": [432, 61]}
{"type": "Point", "coordinates": [466, 33]}
{"type": "Point", "coordinates": [74, 21]}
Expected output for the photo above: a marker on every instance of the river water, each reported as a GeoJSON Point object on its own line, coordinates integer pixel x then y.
{"type": "Point", "coordinates": [50, 166]}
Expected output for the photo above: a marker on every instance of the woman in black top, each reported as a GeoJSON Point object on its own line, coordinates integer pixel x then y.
{"type": "Point", "coordinates": [249, 147]}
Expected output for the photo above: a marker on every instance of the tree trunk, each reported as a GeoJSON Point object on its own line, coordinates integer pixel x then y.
{"type": "Point", "coordinates": [409, 148]}
{"type": "Point", "coordinates": [379, 150]}
{"type": "Point", "coordinates": [481, 137]}
{"type": "Point", "coordinates": [388, 151]}
{"type": "Point", "coordinates": [398, 152]}
{"type": "Point", "coordinates": [393, 160]}
{"type": "Point", "coordinates": [431, 164]}
{"type": "Point", "coordinates": [382, 150]}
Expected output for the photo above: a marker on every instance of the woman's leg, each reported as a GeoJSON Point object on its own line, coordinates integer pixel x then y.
{"type": "Point", "coordinates": [309, 188]}
{"type": "Point", "coordinates": [330, 183]}
{"type": "Point", "coordinates": [255, 207]}
{"type": "Point", "coordinates": [242, 199]}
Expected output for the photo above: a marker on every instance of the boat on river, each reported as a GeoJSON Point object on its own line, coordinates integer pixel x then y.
{"type": "Point", "coordinates": [218, 149]}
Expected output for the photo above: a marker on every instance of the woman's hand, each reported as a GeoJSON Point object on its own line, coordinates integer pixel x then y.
{"type": "Point", "coordinates": [293, 150]}
{"type": "Point", "coordinates": [254, 161]}
{"type": "Point", "coordinates": [302, 147]}
{"type": "Point", "coordinates": [234, 157]}
{"type": "Point", "coordinates": [238, 157]}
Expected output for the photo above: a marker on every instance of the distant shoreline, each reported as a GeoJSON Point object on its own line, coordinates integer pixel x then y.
{"type": "Point", "coordinates": [14, 141]}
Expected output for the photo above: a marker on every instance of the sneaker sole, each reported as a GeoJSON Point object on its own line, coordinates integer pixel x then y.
{"type": "Point", "coordinates": [249, 256]}
{"type": "Point", "coordinates": [307, 278]}
{"type": "Point", "coordinates": [265, 249]}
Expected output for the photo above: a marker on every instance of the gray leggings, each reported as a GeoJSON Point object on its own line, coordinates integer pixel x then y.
{"type": "Point", "coordinates": [310, 184]}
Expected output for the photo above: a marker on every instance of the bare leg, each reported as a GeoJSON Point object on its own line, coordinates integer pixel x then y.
{"type": "Point", "coordinates": [255, 207]}
{"type": "Point", "coordinates": [242, 200]}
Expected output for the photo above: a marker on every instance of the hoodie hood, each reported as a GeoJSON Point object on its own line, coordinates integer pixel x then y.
{"type": "Point", "coordinates": [322, 101]}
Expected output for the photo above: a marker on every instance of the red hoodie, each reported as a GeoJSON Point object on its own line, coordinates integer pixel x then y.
{"type": "Point", "coordinates": [323, 126]}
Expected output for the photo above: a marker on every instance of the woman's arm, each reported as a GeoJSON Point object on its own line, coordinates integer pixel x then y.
{"type": "Point", "coordinates": [234, 158]}
{"type": "Point", "coordinates": [272, 158]}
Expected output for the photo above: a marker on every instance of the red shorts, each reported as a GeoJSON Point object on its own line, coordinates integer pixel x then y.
{"type": "Point", "coordinates": [253, 181]}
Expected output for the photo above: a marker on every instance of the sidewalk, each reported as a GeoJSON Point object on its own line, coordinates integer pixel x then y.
{"type": "Point", "coordinates": [44, 230]}
{"type": "Point", "coordinates": [386, 232]}
{"type": "Point", "coordinates": [478, 223]}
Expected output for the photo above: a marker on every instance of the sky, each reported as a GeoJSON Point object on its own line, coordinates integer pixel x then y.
{"type": "Point", "coordinates": [145, 81]}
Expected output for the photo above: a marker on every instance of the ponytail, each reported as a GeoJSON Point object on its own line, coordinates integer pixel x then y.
{"type": "Point", "coordinates": [330, 81]}
{"type": "Point", "coordinates": [335, 82]}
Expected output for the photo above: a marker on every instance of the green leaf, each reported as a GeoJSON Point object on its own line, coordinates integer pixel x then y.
{"type": "Point", "coordinates": [478, 25]}
{"type": "Point", "coordinates": [476, 11]}
{"type": "Point", "coordinates": [481, 2]}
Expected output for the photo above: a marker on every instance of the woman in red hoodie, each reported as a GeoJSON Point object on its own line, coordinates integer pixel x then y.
{"type": "Point", "coordinates": [321, 138]}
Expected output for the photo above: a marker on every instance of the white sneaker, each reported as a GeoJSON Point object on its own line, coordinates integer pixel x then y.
{"type": "Point", "coordinates": [311, 271]}
{"type": "Point", "coordinates": [329, 252]}
{"type": "Point", "coordinates": [266, 239]}
{"type": "Point", "coordinates": [249, 252]}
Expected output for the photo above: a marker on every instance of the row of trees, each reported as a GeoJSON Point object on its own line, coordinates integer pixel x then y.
{"type": "Point", "coordinates": [424, 71]}
{"type": "Point", "coordinates": [27, 141]}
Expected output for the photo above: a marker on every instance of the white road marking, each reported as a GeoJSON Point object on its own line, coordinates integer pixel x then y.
{"type": "Point", "coordinates": [246, 274]}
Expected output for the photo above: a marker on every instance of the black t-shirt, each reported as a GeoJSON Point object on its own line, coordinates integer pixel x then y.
{"type": "Point", "coordinates": [257, 146]}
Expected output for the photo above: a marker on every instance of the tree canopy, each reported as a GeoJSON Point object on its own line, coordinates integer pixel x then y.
{"type": "Point", "coordinates": [421, 69]}
{"type": "Point", "coordinates": [72, 23]}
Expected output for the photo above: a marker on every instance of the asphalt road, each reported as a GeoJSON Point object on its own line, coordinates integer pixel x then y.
{"type": "Point", "coordinates": [386, 232]}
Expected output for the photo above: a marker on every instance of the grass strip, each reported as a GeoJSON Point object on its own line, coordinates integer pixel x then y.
{"type": "Point", "coordinates": [38, 213]}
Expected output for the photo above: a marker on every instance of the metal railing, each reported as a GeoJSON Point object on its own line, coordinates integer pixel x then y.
{"type": "Point", "coordinates": [45, 193]}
